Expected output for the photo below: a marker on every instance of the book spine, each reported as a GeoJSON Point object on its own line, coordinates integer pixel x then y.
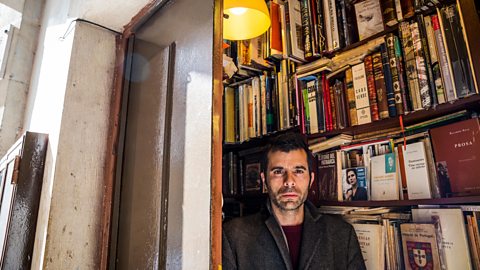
{"type": "Point", "coordinates": [352, 109]}
{"type": "Point", "coordinates": [389, 13]}
{"type": "Point", "coordinates": [341, 22]}
{"type": "Point", "coordinates": [321, 26]}
{"type": "Point", "coordinates": [380, 85]}
{"type": "Point", "coordinates": [333, 107]}
{"type": "Point", "coordinates": [340, 108]}
{"type": "Point", "coordinates": [410, 65]}
{"type": "Point", "coordinates": [432, 49]}
{"type": "Point", "coordinates": [456, 48]}
{"type": "Point", "coordinates": [372, 92]}
{"type": "Point", "coordinates": [328, 28]}
{"type": "Point", "coordinates": [390, 40]}
{"type": "Point", "coordinates": [426, 54]}
{"type": "Point", "coordinates": [425, 98]}
{"type": "Point", "coordinates": [306, 109]}
{"type": "Point", "coordinates": [392, 111]}
{"type": "Point", "coordinates": [332, 16]}
{"type": "Point", "coordinates": [398, 8]}
{"type": "Point", "coordinates": [361, 94]}
{"type": "Point", "coordinates": [442, 58]}
{"type": "Point", "coordinates": [328, 114]}
{"type": "Point", "coordinates": [320, 104]}
{"type": "Point", "coordinates": [345, 23]}
{"type": "Point", "coordinates": [312, 106]}
{"type": "Point", "coordinates": [407, 8]}
{"type": "Point", "coordinates": [401, 75]}
{"type": "Point", "coordinates": [307, 29]}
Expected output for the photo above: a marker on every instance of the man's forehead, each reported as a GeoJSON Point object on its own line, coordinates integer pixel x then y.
{"type": "Point", "coordinates": [279, 155]}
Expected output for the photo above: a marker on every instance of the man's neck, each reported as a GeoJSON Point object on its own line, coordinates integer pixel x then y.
{"type": "Point", "coordinates": [289, 218]}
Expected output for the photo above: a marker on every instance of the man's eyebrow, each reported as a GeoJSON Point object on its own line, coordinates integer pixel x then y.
{"type": "Point", "coordinates": [300, 167]}
{"type": "Point", "coordinates": [276, 168]}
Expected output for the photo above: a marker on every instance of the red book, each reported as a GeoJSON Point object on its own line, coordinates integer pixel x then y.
{"type": "Point", "coordinates": [328, 111]}
{"type": "Point", "coordinates": [456, 148]}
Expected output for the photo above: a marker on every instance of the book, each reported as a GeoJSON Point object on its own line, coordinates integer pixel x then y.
{"type": "Point", "coordinates": [425, 98]}
{"type": "Point", "coordinates": [416, 171]}
{"type": "Point", "coordinates": [371, 240]}
{"type": "Point", "coordinates": [354, 184]}
{"type": "Point", "coordinates": [457, 51]}
{"type": "Point", "coordinates": [294, 22]}
{"type": "Point", "coordinates": [420, 246]}
{"type": "Point", "coordinates": [369, 18]}
{"type": "Point", "coordinates": [444, 64]}
{"type": "Point", "coordinates": [384, 182]}
{"type": "Point", "coordinates": [433, 52]}
{"type": "Point", "coordinates": [387, 74]}
{"type": "Point", "coordinates": [380, 87]}
{"type": "Point", "coordinates": [327, 175]}
{"type": "Point", "coordinates": [453, 234]}
{"type": "Point", "coordinates": [352, 107]}
{"type": "Point", "coordinates": [410, 65]}
{"type": "Point", "coordinates": [397, 91]}
{"type": "Point", "coordinates": [389, 12]}
{"type": "Point", "coordinates": [427, 60]}
{"type": "Point", "coordinates": [372, 92]}
{"type": "Point", "coordinates": [457, 151]}
{"type": "Point", "coordinates": [340, 104]}
{"type": "Point", "coordinates": [362, 102]}
{"type": "Point", "coordinates": [407, 8]}
{"type": "Point", "coordinates": [229, 114]}
{"type": "Point", "coordinates": [306, 28]}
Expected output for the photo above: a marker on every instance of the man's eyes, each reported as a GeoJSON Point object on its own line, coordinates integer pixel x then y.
{"type": "Point", "coordinates": [283, 171]}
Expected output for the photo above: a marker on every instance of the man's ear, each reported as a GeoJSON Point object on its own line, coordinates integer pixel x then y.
{"type": "Point", "coordinates": [262, 175]}
{"type": "Point", "coordinates": [312, 177]}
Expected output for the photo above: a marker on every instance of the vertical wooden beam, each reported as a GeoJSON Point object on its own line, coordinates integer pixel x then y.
{"type": "Point", "coordinates": [217, 134]}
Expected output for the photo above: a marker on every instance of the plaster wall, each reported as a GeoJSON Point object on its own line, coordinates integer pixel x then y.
{"type": "Point", "coordinates": [14, 4]}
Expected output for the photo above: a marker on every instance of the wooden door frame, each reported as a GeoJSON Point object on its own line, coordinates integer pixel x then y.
{"type": "Point", "coordinates": [113, 139]}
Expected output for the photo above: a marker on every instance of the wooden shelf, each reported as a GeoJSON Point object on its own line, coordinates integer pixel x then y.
{"type": "Point", "coordinates": [470, 103]}
{"type": "Point", "coordinates": [440, 201]}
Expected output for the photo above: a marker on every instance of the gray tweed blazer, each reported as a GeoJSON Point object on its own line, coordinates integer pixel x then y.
{"type": "Point", "coordinates": [258, 242]}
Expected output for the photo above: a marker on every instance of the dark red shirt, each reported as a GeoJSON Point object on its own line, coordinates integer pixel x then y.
{"type": "Point", "coordinates": [294, 239]}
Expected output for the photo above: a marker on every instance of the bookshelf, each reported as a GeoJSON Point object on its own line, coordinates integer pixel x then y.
{"type": "Point", "coordinates": [243, 148]}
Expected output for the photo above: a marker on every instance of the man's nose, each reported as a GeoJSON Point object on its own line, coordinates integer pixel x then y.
{"type": "Point", "coordinates": [289, 179]}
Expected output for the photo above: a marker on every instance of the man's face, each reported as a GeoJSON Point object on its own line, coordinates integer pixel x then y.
{"type": "Point", "coordinates": [287, 179]}
{"type": "Point", "coordinates": [351, 178]}
{"type": "Point", "coordinates": [390, 161]}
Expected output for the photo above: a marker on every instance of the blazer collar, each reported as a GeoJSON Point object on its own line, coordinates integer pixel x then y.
{"type": "Point", "coordinates": [311, 235]}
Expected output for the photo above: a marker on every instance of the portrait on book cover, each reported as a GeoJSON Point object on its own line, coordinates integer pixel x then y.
{"type": "Point", "coordinates": [354, 184]}
{"type": "Point", "coordinates": [443, 178]}
{"type": "Point", "coordinates": [390, 163]}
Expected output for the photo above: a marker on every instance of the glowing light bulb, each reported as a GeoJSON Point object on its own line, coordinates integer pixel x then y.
{"type": "Point", "coordinates": [238, 11]}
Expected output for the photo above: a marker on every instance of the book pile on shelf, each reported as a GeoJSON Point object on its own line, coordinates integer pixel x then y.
{"type": "Point", "coordinates": [440, 160]}
{"type": "Point", "coordinates": [427, 237]}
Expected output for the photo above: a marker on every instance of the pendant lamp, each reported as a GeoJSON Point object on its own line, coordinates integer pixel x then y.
{"type": "Point", "coordinates": [244, 19]}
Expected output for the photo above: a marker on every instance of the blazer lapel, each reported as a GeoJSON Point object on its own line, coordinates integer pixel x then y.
{"type": "Point", "coordinates": [312, 237]}
{"type": "Point", "coordinates": [280, 240]}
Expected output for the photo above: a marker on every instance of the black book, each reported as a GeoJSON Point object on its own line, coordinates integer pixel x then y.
{"type": "Point", "coordinates": [392, 111]}
{"type": "Point", "coordinates": [457, 51]}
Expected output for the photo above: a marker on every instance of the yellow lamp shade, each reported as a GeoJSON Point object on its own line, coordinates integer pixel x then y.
{"type": "Point", "coordinates": [244, 19]}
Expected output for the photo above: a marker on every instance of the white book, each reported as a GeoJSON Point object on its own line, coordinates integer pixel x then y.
{"type": "Point", "coordinates": [416, 171]}
{"type": "Point", "coordinates": [362, 101]}
{"type": "Point", "coordinates": [286, 102]}
{"type": "Point", "coordinates": [241, 113]}
{"type": "Point", "coordinates": [332, 16]}
{"type": "Point", "coordinates": [296, 29]}
{"type": "Point", "coordinates": [312, 106]}
{"type": "Point", "coordinates": [454, 236]}
{"type": "Point", "coordinates": [384, 182]}
{"type": "Point", "coordinates": [371, 240]}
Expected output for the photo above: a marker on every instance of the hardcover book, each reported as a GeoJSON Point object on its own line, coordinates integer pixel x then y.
{"type": "Point", "coordinates": [425, 98]}
{"type": "Point", "coordinates": [387, 74]}
{"type": "Point", "coordinates": [410, 65]}
{"type": "Point", "coordinates": [384, 182]}
{"type": "Point", "coordinates": [361, 94]}
{"type": "Point", "coordinates": [420, 246]}
{"type": "Point", "coordinates": [457, 153]}
{"type": "Point", "coordinates": [352, 107]}
{"type": "Point", "coordinates": [454, 237]}
{"type": "Point", "coordinates": [397, 91]}
{"type": "Point", "coordinates": [380, 87]}
{"type": "Point", "coordinates": [327, 175]}
{"type": "Point", "coordinates": [372, 92]}
{"type": "Point", "coordinates": [369, 18]}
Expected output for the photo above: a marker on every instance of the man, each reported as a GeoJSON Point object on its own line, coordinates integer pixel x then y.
{"type": "Point", "coordinates": [290, 233]}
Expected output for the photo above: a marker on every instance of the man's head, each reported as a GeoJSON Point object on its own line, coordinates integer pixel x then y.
{"type": "Point", "coordinates": [351, 177]}
{"type": "Point", "coordinates": [286, 171]}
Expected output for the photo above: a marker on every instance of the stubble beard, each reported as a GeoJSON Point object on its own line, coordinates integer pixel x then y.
{"type": "Point", "coordinates": [286, 204]}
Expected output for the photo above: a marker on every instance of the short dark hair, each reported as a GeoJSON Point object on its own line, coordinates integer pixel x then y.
{"type": "Point", "coordinates": [286, 142]}
{"type": "Point", "coordinates": [351, 170]}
